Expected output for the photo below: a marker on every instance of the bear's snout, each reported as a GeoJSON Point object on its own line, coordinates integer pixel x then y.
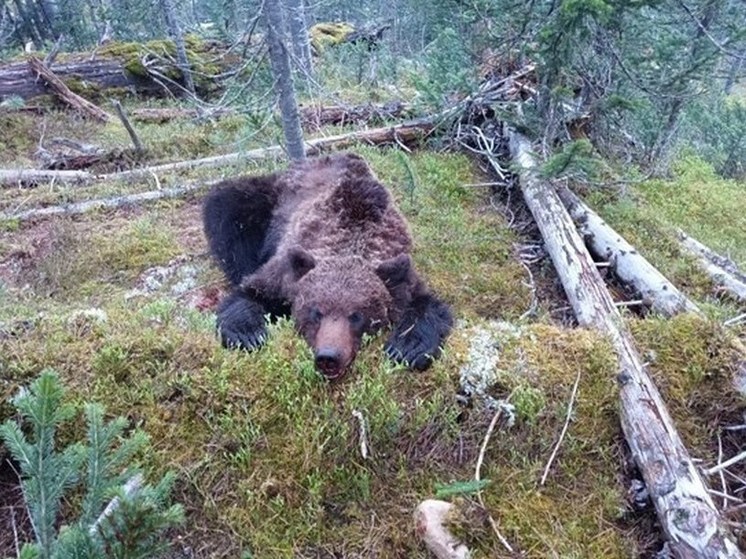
{"type": "Point", "coordinates": [328, 362]}
{"type": "Point", "coordinates": [333, 348]}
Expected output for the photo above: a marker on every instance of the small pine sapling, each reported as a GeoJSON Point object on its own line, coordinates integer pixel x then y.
{"type": "Point", "coordinates": [137, 515]}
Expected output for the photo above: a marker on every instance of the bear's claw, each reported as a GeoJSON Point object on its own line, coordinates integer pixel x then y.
{"type": "Point", "coordinates": [241, 322]}
{"type": "Point", "coordinates": [417, 338]}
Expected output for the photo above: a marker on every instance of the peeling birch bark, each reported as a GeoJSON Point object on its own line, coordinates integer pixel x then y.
{"type": "Point", "coordinates": [685, 510]}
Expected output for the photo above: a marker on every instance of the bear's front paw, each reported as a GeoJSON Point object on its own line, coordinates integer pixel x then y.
{"type": "Point", "coordinates": [242, 339]}
{"type": "Point", "coordinates": [241, 323]}
{"type": "Point", "coordinates": [410, 349]}
{"type": "Point", "coordinates": [417, 338]}
{"type": "Point", "coordinates": [411, 353]}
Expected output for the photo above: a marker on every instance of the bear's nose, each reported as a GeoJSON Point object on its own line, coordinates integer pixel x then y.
{"type": "Point", "coordinates": [328, 361]}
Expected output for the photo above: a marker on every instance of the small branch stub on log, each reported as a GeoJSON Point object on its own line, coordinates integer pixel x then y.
{"type": "Point", "coordinates": [685, 510]}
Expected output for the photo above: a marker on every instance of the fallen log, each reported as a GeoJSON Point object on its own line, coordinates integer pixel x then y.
{"type": "Point", "coordinates": [159, 116]}
{"type": "Point", "coordinates": [722, 271]}
{"type": "Point", "coordinates": [315, 116]}
{"type": "Point", "coordinates": [77, 208]}
{"type": "Point", "coordinates": [694, 246]}
{"type": "Point", "coordinates": [627, 264]}
{"type": "Point", "coordinates": [685, 510]}
{"type": "Point", "coordinates": [312, 117]}
{"type": "Point", "coordinates": [403, 133]}
{"type": "Point", "coordinates": [33, 177]}
{"type": "Point", "coordinates": [63, 92]}
{"type": "Point", "coordinates": [121, 66]}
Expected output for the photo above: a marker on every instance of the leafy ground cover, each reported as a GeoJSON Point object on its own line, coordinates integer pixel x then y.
{"type": "Point", "coordinates": [267, 454]}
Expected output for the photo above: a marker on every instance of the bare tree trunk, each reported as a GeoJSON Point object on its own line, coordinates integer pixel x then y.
{"type": "Point", "coordinates": [296, 12]}
{"type": "Point", "coordinates": [181, 54]}
{"type": "Point", "coordinates": [280, 62]}
{"type": "Point", "coordinates": [35, 33]}
{"type": "Point", "coordinates": [685, 509]}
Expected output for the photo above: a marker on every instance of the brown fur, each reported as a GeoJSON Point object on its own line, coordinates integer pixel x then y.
{"type": "Point", "coordinates": [341, 260]}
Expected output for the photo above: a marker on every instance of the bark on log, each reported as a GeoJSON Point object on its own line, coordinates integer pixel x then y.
{"type": "Point", "coordinates": [17, 78]}
{"type": "Point", "coordinates": [684, 508]}
{"type": "Point", "coordinates": [109, 67]}
{"type": "Point", "coordinates": [64, 93]}
{"type": "Point", "coordinates": [628, 265]}
{"type": "Point", "coordinates": [723, 271]}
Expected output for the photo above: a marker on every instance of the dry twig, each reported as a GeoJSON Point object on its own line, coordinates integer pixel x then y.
{"type": "Point", "coordinates": [363, 433]}
{"type": "Point", "coordinates": [478, 474]}
{"type": "Point", "coordinates": [564, 430]}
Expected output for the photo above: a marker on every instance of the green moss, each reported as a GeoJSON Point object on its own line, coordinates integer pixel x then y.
{"type": "Point", "coordinates": [269, 455]}
{"type": "Point", "coordinates": [202, 62]}
{"type": "Point", "coordinates": [323, 35]}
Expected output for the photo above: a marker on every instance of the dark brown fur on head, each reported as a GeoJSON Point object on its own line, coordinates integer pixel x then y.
{"type": "Point", "coordinates": [339, 300]}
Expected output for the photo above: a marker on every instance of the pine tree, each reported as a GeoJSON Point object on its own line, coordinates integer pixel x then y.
{"type": "Point", "coordinates": [114, 521]}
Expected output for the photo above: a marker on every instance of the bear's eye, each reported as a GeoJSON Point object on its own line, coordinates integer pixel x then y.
{"type": "Point", "coordinates": [315, 314]}
{"type": "Point", "coordinates": [356, 319]}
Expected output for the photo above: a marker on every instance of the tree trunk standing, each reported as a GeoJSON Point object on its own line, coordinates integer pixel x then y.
{"type": "Point", "coordinates": [685, 509]}
{"type": "Point", "coordinates": [296, 11]}
{"type": "Point", "coordinates": [280, 62]}
{"type": "Point", "coordinates": [30, 23]}
{"type": "Point", "coordinates": [665, 137]}
{"type": "Point", "coordinates": [734, 71]}
{"type": "Point", "coordinates": [181, 54]}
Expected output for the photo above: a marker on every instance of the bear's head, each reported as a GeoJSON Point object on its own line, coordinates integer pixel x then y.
{"type": "Point", "coordinates": [335, 301]}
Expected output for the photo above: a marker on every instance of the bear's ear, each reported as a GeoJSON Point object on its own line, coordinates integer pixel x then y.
{"type": "Point", "coordinates": [395, 271]}
{"type": "Point", "coordinates": [301, 262]}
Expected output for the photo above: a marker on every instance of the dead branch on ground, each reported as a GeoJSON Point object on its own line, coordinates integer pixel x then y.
{"type": "Point", "coordinates": [64, 93]}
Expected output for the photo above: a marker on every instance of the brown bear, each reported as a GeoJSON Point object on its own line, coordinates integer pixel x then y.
{"type": "Point", "coordinates": [324, 242]}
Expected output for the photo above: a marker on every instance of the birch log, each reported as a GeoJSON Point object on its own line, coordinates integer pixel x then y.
{"type": "Point", "coordinates": [685, 510]}
{"type": "Point", "coordinates": [628, 264]}
{"type": "Point", "coordinates": [721, 270]}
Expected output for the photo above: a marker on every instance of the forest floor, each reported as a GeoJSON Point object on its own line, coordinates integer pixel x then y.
{"type": "Point", "coordinates": [267, 454]}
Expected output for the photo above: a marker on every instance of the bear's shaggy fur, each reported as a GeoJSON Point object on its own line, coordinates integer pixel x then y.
{"type": "Point", "coordinates": [323, 241]}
